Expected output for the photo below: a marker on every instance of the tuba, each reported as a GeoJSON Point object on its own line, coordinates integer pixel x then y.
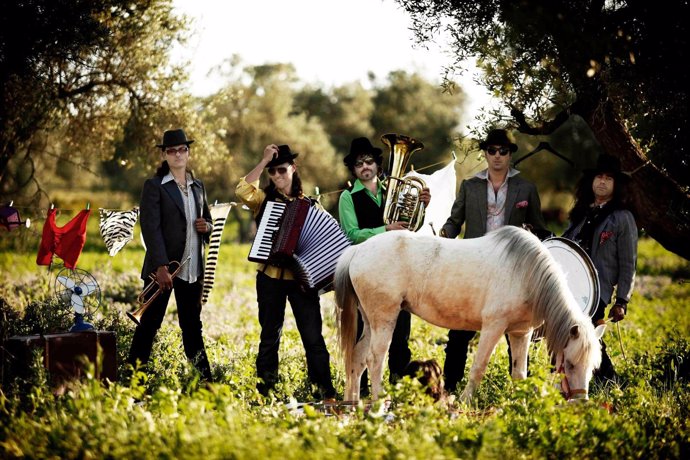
{"type": "Point", "coordinates": [402, 198]}
{"type": "Point", "coordinates": [153, 290]}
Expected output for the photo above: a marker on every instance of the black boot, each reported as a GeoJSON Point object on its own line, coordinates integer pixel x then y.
{"type": "Point", "coordinates": [605, 375]}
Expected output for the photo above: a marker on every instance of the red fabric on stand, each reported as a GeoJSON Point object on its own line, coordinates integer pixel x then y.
{"type": "Point", "coordinates": [66, 242]}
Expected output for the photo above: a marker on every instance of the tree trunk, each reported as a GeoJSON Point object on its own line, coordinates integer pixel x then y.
{"type": "Point", "coordinates": [662, 207]}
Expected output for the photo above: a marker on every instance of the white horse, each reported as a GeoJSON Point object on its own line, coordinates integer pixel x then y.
{"type": "Point", "coordinates": [505, 281]}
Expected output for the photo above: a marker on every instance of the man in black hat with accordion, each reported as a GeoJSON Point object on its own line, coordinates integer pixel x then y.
{"type": "Point", "coordinates": [275, 284]}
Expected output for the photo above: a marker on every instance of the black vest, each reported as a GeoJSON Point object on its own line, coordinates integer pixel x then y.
{"type": "Point", "coordinates": [369, 214]}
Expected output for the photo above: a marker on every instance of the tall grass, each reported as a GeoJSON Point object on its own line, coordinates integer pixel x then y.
{"type": "Point", "coordinates": [166, 413]}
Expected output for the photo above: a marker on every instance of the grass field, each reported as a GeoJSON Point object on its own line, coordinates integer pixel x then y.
{"type": "Point", "coordinates": [166, 413]}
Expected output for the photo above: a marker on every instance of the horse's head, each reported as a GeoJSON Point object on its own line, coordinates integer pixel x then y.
{"type": "Point", "coordinates": [579, 358]}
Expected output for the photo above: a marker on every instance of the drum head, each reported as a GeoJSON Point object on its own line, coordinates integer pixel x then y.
{"type": "Point", "coordinates": [579, 271]}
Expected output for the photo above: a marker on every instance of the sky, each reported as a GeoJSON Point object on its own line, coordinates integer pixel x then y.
{"type": "Point", "coordinates": [330, 42]}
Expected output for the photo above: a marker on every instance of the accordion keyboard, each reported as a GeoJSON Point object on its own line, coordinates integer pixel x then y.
{"type": "Point", "coordinates": [269, 225]}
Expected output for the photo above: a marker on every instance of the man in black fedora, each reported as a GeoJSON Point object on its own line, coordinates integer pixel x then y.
{"type": "Point", "coordinates": [174, 138]}
{"type": "Point", "coordinates": [490, 199]}
{"type": "Point", "coordinates": [277, 284]}
{"type": "Point", "coordinates": [603, 225]}
{"type": "Point", "coordinates": [361, 210]}
{"type": "Point", "coordinates": [175, 224]}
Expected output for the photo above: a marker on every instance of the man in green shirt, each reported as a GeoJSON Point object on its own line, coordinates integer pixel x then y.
{"type": "Point", "coordinates": [361, 216]}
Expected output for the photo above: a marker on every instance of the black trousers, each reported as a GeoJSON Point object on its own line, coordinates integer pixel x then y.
{"type": "Point", "coordinates": [605, 371]}
{"type": "Point", "coordinates": [188, 298]}
{"type": "Point", "coordinates": [272, 295]}
{"type": "Point", "coordinates": [456, 357]}
{"type": "Point", "coordinates": [399, 353]}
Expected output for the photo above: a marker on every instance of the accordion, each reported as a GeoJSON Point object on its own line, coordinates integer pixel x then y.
{"type": "Point", "coordinates": [302, 237]}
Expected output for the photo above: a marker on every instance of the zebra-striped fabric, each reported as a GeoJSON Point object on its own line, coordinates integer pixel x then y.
{"type": "Point", "coordinates": [219, 214]}
{"type": "Point", "coordinates": [117, 227]}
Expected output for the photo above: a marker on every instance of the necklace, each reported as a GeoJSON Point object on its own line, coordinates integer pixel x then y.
{"type": "Point", "coordinates": [496, 211]}
{"type": "Point", "coordinates": [183, 187]}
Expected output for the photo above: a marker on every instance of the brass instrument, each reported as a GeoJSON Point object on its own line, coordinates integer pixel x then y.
{"type": "Point", "coordinates": [148, 295]}
{"type": "Point", "coordinates": [402, 198]}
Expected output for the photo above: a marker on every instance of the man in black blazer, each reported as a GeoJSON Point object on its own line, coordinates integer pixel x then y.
{"type": "Point", "coordinates": [492, 198]}
{"type": "Point", "coordinates": [175, 224]}
{"type": "Point", "coordinates": [602, 223]}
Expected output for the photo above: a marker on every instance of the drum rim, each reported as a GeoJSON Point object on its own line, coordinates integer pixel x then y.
{"type": "Point", "coordinates": [588, 262]}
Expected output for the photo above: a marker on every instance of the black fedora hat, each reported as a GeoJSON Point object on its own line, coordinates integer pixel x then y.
{"type": "Point", "coordinates": [174, 137]}
{"type": "Point", "coordinates": [285, 155]}
{"type": "Point", "coordinates": [499, 137]}
{"type": "Point", "coordinates": [608, 164]}
{"type": "Point", "coordinates": [362, 146]}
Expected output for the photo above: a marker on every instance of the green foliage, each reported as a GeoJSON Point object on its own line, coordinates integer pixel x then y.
{"type": "Point", "coordinates": [87, 81]}
{"type": "Point", "coordinates": [653, 259]}
{"type": "Point", "coordinates": [263, 104]}
{"type": "Point", "coordinates": [542, 57]}
{"type": "Point", "coordinates": [410, 105]}
{"type": "Point", "coordinates": [163, 411]}
{"type": "Point", "coordinates": [671, 363]}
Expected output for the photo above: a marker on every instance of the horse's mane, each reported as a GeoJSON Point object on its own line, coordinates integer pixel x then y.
{"type": "Point", "coordinates": [545, 289]}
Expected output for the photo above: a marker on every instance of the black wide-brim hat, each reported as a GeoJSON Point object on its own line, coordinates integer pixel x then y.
{"type": "Point", "coordinates": [174, 137]}
{"type": "Point", "coordinates": [499, 137]}
{"type": "Point", "coordinates": [362, 146]}
{"type": "Point", "coordinates": [285, 155]}
{"type": "Point", "coordinates": [608, 164]}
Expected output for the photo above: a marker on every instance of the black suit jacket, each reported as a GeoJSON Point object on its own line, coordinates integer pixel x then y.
{"type": "Point", "coordinates": [522, 207]}
{"type": "Point", "coordinates": [164, 224]}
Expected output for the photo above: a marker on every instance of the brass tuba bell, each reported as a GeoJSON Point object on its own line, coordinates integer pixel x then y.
{"type": "Point", "coordinates": [402, 198]}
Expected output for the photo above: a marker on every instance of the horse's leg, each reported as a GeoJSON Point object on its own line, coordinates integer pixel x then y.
{"type": "Point", "coordinates": [380, 341]}
{"type": "Point", "coordinates": [488, 338]}
{"type": "Point", "coordinates": [519, 346]}
{"type": "Point", "coordinates": [359, 355]}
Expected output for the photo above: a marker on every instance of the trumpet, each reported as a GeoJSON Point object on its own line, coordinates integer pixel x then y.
{"type": "Point", "coordinates": [148, 295]}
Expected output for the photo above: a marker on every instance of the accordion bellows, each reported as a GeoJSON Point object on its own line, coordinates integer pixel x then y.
{"type": "Point", "coordinates": [306, 239]}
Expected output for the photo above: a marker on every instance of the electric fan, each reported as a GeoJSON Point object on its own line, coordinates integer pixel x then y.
{"type": "Point", "coordinates": [81, 290]}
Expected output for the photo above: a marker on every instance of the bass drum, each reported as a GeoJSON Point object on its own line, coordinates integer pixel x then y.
{"type": "Point", "coordinates": [580, 274]}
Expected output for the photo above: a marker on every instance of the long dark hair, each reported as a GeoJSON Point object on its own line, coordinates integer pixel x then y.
{"type": "Point", "coordinates": [164, 169]}
{"type": "Point", "coordinates": [584, 197]}
{"type": "Point", "coordinates": [296, 189]}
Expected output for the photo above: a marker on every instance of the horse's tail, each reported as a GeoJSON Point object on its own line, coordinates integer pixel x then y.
{"type": "Point", "coordinates": [346, 307]}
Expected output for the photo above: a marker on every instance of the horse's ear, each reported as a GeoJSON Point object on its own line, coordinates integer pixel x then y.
{"type": "Point", "coordinates": [599, 331]}
{"type": "Point", "coordinates": [574, 331]}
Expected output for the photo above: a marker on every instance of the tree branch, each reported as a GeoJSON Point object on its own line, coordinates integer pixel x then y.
{"type": "Point", "coordinates": [545, 127]}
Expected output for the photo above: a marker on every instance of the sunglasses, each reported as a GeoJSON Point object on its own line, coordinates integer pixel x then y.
{"type": "Point", "coordinates": [171, 151]}
{"type": "Point", "coordinates": [368, 161]}
{"type": "Point", "coordinates": [280, 170]}
{"type": "Point", "coordinates": [494, 150]}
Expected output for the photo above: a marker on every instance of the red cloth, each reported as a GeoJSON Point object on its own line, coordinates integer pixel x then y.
{"type": "Point", "coordinates": [67, 242]}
